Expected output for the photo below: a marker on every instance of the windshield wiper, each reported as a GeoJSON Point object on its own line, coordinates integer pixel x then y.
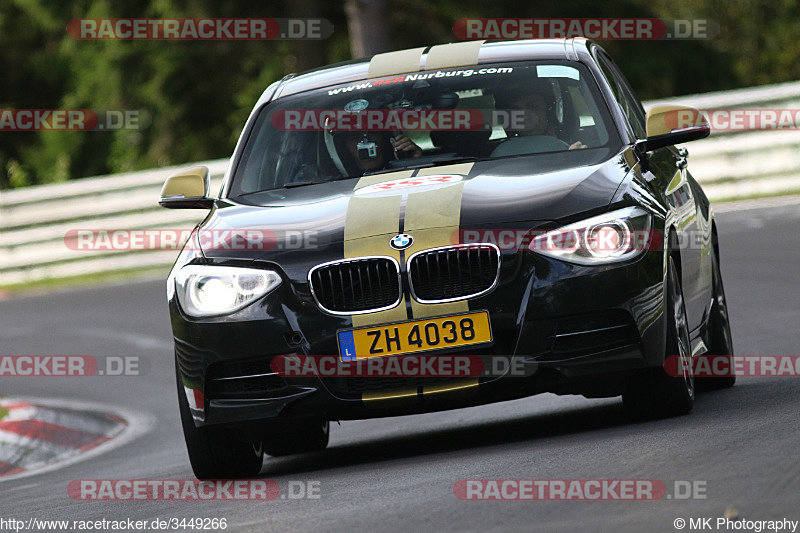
{"type": "Point", "coordinates": [328, 179]}
{"type": "Point", "coordinates": [301, 184]}
{"type": "Point", "coordinates": [429, 163]}
{"type": "Point", "coordinates": [456, 159]}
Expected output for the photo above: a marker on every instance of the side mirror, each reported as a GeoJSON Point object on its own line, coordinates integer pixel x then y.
{"type": "Point", "coordinates": [187, 189]}
{"type": "Point", "coordinates": [673, 124]}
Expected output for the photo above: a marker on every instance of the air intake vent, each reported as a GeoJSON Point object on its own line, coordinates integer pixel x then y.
{"type": "Point", "coordinates": [354, 286]}
{"type": "Point", "coordinates": [454, 272]}
{"type": "Point", "coordinates": [242, 379]}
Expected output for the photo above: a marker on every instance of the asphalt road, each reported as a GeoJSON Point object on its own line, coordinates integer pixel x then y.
{"type": "Point", "coordinates": [398, 474]}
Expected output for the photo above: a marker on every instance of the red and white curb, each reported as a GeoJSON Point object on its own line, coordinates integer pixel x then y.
{"type": "Point", "coordinates": [40, 435]}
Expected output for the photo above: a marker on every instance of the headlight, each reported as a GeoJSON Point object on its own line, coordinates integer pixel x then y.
{"type": "Point", "coordinates": [608, 238]}
{"type": "Point", "coordinates": [218, 290]}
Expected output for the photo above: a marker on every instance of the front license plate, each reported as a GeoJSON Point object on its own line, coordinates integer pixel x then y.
{"type": "Point", "coordinates": [415, 336]}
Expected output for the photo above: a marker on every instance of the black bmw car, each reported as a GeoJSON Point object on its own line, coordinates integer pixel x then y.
{"type": "Point", "coordinates": [439, 228]}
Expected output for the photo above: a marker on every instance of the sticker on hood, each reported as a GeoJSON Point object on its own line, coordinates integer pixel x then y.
{"type": "Point", "coordinates": [419, 181]}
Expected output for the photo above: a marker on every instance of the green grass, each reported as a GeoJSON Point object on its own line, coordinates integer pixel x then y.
{"type": "Point", "coordinates": [85, 280]}
{"type": "Point", "coordinates": [3, 412]}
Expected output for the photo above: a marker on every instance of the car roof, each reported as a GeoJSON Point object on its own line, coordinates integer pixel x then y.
{"type": "Point", "coordinates": [463, 54]}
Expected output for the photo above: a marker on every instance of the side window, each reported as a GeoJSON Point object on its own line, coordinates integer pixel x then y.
{"type": "Point", "coordinates": [631, 106]}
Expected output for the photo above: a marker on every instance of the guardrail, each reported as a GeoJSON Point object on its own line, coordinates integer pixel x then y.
{"type": "Point", "coordinates": [738, 164]}
{"type": "Point", "coordinates": [35, 220]}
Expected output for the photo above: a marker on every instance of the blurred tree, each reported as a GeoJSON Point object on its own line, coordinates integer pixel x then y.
{"type": "Point", "coordinates": [199, 93]}
{"type": "Point", "coordinates": [655, 68]}
{"type": "Point", "coordinates": [31, 77]}
{"type": "Point", "coordinates": [367, 23]}
{"type": "Point", "coordinates": [757, 38]}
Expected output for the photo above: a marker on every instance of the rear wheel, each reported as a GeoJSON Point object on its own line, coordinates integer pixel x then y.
{"type": "Point", "coordinates": [719, 329]}
{"type": "Point", "coordinates": [297, 436]}
{"type": "Point", "coordinates": [654, 393]}
{"type": "Point", "coordinates": [215, 452]}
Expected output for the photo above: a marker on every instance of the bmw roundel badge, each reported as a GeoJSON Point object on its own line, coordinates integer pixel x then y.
{"type": "Point", "coordinates": [401, 241]}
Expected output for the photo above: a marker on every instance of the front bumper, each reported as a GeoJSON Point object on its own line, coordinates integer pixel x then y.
{"type": "Point", "coordinates": [572, 329]}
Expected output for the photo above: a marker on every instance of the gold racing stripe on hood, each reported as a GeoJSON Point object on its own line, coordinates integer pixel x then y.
{"type": "Point", "coordinates": [369, 224]}
{"type": "Point", "coordinates": [432, 219]}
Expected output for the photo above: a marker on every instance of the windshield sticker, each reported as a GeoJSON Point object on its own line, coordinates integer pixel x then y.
{"type": "Point", "coordinates": [557, 71]}
{"type": "Point", "coordinates": [464, 73]}
{"type": "Point", "coordinates": [356, 105]}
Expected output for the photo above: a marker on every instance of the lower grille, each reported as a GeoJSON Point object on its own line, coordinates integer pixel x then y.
{"type": "Point", "coordinates": [594, 333]}
{"type": "Point", "coordinates": [353, 286]}
{"type": "Point", "coordinates": [454, 272]}
{"type": "Point", "coordinates": [190, 360]}
{"type": "Point", "coordinates": [242, 380]}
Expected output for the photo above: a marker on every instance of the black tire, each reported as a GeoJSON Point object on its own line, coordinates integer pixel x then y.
{"type": "Point", "coordinates": [217, 453]}
{"type": "Point", "coordinates": [654, 393]}
{"type": "Point", "coordinates": [719, 332]}
{"type": "Point", "coordinates": [297, 436]}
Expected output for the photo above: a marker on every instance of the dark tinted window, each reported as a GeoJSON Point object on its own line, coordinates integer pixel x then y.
{"type": "Point", "coordinates": [484, 112]}
{"type": "Point", "coordinates": [631, 105]}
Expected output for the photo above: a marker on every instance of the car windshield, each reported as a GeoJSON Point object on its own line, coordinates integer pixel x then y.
{"type": "Point", "coordinates": [426, 119]}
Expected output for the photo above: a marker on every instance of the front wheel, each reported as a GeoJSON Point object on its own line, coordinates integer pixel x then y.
{"type": "Point", "coordinates": [217, 453]}
{"type": "Point", "coordinates": [654, 393]}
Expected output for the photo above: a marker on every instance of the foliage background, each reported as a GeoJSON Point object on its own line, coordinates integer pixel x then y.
{"type": "Point", "coordinates": [200, 93]}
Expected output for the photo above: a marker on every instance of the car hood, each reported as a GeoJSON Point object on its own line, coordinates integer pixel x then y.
{"type": "Point", "coordinates": [432, 204]}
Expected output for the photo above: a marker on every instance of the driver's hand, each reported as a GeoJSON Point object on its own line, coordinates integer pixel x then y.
{"type": "Point", "coordinates": [407, 146]}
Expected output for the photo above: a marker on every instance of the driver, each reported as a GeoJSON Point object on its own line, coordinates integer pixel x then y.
{"type": "Point", "coordinates": [537, 102]}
